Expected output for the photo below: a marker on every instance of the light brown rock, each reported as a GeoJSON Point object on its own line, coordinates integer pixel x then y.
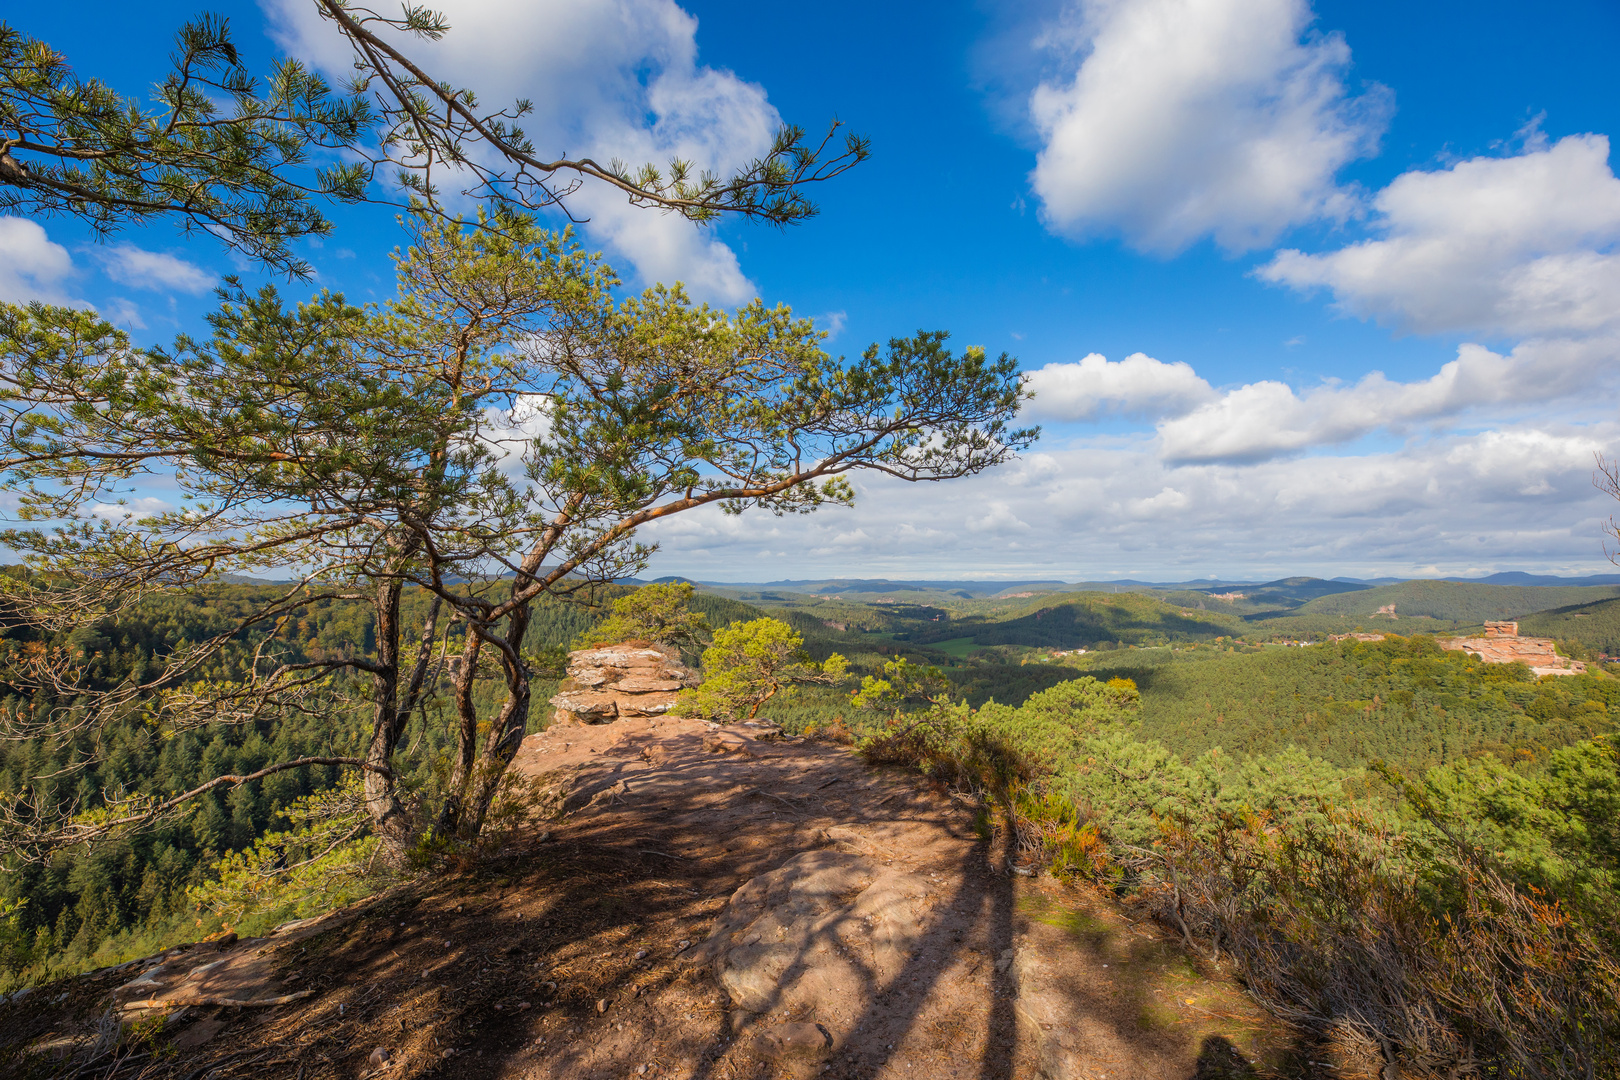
{"type": "Point", "coordinates": [617, 682]}
{"type": "Point", "coordinates": [824, 926]}
{"type": "Point", "coordinates": [1503, 645]}
{"type": "Point", "coordinates": [725, 742]}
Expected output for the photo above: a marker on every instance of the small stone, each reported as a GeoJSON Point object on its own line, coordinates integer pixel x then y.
{"type": "Point", "coordinates": [380, 1057]}
{"type": "Point", "coordinates": [499, 1007]}
{"type": "Point", "coordinates": [641, 954]}
{"type": "Point", "coordinates": [811, 1040]}
{"type": "Point", "coordinates": [522, 1005]}
{"type": "Point", "coordinates": [641, 1070]}
{"type": "Point", "coordinates": [601, 1005]}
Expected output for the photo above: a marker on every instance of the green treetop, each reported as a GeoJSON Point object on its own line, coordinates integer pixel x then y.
{"type": "Point", "coordinates": [496, 434]}
{"type": "Point", "coordinates": [751, 663]}
{"type": "Point", "coordinates": [657, 613]}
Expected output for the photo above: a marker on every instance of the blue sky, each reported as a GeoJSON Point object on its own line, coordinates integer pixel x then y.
{"type": "Point", "coordinates": [1322, 289]}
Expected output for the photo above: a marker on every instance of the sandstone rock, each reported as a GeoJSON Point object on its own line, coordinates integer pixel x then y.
{"type": "Point", "coordinates": [620, 681]}
{"type": "Point", "coordinates": [725, 742]}
{"type": "Point", "coordinates": [241, 975]}
{"type": "Point", "coordinates": [825, 926]}
{"type": "Point", "coordinates": [1503, 645]}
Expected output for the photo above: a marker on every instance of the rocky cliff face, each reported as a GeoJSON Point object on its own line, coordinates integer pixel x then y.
{"type": "Point", "coordinates": [617, 682]}
{"type": "Point", "coordinates": [1503, 645]}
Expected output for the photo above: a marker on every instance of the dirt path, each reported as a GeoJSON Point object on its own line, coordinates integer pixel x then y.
{"type": "Point", "coordinates": [902, 944]}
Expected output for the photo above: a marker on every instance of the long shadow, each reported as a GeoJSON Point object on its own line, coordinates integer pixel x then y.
{"type": "Point", "coordinates": [985, 902]}
{"type": "Point", "coordinates": [1002, 1038]}
{"type": "Point", "coordinates": [615, 874]}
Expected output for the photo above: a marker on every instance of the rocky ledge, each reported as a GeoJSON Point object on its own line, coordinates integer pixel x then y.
{"type": "Point", "coordinates": [617, 682]}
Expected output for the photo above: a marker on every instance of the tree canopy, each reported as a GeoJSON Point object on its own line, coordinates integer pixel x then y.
{"type": "Point", "coordinates": [658, 612]}
{"type": "Point", "coordinates": [751, 663]}
{"type": "Point", "coordinates": [496, 434]}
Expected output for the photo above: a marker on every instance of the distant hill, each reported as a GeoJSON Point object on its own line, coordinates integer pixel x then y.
{"type": "Point", "coordinates": [878, 587]}
{"type": "Point", "coordinates": [1073, 620]}
{"type": "Point", "coordinates": [1597, 625]}
{"type": "Point", "coordinates": [1518, 577]}
{"type": "Point", "coordinates": [1291, 592]}
{"type": "Point", "coordinates": [1464, 601]}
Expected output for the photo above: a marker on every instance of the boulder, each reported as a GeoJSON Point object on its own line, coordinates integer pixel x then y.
{"type": "Point", "coordinates": [616, 682]}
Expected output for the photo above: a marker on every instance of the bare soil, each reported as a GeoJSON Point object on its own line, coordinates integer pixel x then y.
{"type": "Point", "coordinates": [567, 956]}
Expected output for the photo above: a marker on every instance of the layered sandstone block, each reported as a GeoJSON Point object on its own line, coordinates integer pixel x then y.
{"type": "Point", "coordinates": [616, 682]}
{"type": "Point", "coordinates": [1503, 645]}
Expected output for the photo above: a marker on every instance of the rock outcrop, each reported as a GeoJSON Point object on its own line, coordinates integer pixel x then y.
{"type": "Point", "coordinates": [821, 933]}
{"type": "Point", "coordinates": [1503, 645]}
{"type": "Point", "coordinates": [616, 682]}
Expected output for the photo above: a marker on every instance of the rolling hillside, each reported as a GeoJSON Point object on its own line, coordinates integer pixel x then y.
{"type": "Point", "coordinates": [1596, 626]}
{"type": "Point", "coordinates": [1467, 602]}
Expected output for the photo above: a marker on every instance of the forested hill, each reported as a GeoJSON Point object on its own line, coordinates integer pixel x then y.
{"type": "Point", "coordinates": [1596, 625]}
{"type": "Point", "coordinates": [1459, 601]}
{"type": "Point", "coordinates": [1079, 619]}
{"type": "Point", "coordinates": [1402, 700]}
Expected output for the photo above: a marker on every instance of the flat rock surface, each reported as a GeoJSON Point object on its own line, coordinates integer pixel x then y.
{"type": "Point", "coordinates": [744, 907]}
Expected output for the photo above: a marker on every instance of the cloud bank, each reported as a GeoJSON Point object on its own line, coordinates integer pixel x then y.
{"type": "Point", "coordinates": [1517, 497]}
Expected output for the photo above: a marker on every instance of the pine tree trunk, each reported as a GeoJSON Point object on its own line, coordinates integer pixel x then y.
{"type": "Point", "coordinates": [390, 821]}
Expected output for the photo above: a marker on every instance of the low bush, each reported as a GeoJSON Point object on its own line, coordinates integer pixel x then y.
{"type": "Point", "coordinates": [1457, 925]}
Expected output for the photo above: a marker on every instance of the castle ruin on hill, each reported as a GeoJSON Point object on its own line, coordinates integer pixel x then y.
{"type": "Point", "coordinates": [1503, 645]}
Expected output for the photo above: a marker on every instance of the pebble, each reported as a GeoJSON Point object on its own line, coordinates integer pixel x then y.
{"type": "Point", "coordinates": [601, 1005]}
{"type": "Point", "coordinates": [380, 1057]}
{"type": "Point", "coordinates": [641, 954]}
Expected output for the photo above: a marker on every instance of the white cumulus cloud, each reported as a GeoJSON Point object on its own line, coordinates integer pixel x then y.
{"type": "Point", "coordinates": [1138, 386]}
{"type": "Point", "coordinates": [616, 79]}
{"type": "Point", "coordinates": [1179, 119]}
{"type": "Point", "coordinates": [142, 269]}
{"type": "Point", "coordinates": [1520, 245]}
{"type": "Point", "coordinates": [32, 267]}
{"type": "Point", "coordinates": [132, 509]}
